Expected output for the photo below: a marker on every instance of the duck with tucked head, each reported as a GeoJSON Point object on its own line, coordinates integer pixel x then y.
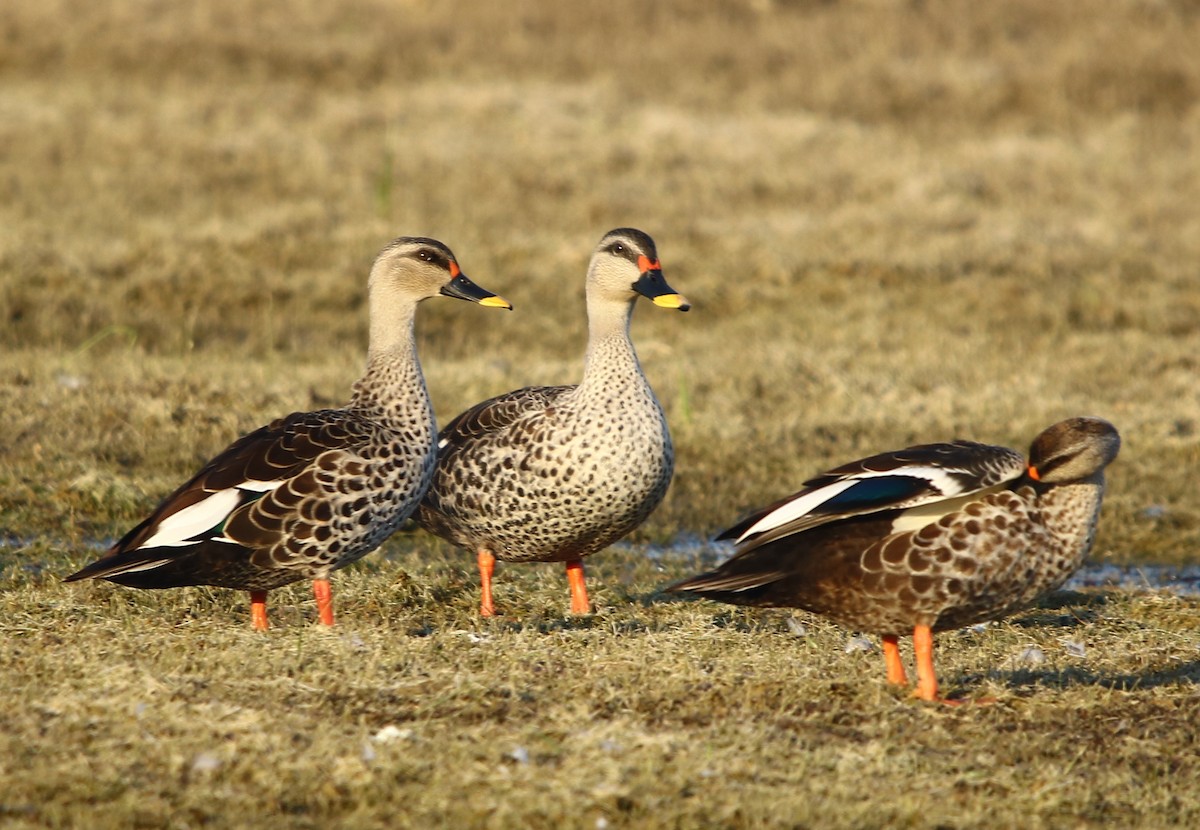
{"type": "Point", "coordinates": [930, 538]}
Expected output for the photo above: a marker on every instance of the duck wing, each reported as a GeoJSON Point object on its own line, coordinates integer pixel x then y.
{"type": "Point", "coordinates": [922, 475]}
{"type": "Point", "coordinates": [497, 415]}
{"type": "Point", "coordinates": [269, 487]}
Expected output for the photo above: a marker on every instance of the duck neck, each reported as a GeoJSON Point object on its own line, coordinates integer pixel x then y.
{"type": "Point", "coordinates": [1071, 511]}
{"type": "Point", "coordinates": [392, 389]}
{"type": "Point", "coordinates": [611, 359]}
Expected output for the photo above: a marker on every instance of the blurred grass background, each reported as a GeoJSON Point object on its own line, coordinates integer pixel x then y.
{"type": "Point", "coordinates": [897, 222]}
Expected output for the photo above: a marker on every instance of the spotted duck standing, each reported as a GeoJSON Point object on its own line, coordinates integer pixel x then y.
{"type": "Point", "coordinates": [554, 473]}
{"type": "Point", "coordinates": [930, 538]}
{"type": "Point", "coordinates": [313, 491]}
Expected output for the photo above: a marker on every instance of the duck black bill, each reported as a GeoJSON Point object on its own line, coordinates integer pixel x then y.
{"type": "Point", "coordinates": [463, 289]}
{"type": "Point", "coordinates": [652, 286]}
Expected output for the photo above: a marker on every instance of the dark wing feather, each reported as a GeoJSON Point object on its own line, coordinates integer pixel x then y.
{"type": "Point", "coordinates": [804, 570]}
{"type": "Point", "coordinates": [497, 414]}
{"type": "Point", "coordinates": [889, 481]}
{"type": "Point", "coordinates": [807, 549]}
{"type": "Point", "coordinates": [983, 461]}
{"type": "Point", "coordinates": [282, 450]}
{"type": "Point", "coordinates": [865, 496]}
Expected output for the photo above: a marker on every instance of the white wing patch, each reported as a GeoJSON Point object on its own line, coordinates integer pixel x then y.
{"type": "Point", "coordinates": [182, 528]}
{"type": "Point", "coordinates": [794, 509]}
{"type": "Point", "coordinates": [926, 514]}
{"type": "Point", "coordinates": [260, 486]}
{"type": "Point", "coordinates": [940, 480]}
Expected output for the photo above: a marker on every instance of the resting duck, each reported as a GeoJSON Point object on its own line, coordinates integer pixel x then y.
{"type": "Point", "coordinates": [554, 473]}
{"type": "Point", "coordinates": [930, 538]}
{"type": "Point", "coordinates": [313, 491]}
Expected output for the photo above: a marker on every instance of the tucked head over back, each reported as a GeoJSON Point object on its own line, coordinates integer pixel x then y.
{"type": "Point", "coordinates": [932, 537]}
{"type": "Point", "coordinates": [1073, 450]}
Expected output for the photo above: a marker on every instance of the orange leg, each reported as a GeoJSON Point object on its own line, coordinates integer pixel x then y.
{"type": "Point", "coordinates": [579, 596]}
{"type": "Point", "coordinates": [324, 596]}
{"type": "Point", "coordinates": [927, 685]}
{"type": "Point", "coordinates": [487, 567]}
{"type": "Point", "coordinates": [258, 610]}
{"type": "Point", "coordinates": [891, 657]}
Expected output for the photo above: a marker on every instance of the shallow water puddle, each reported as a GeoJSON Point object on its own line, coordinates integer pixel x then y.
{"type": "Point", "coordinates": [1182, 580]}
{"type": "Point", "coordinates": [694, 554]}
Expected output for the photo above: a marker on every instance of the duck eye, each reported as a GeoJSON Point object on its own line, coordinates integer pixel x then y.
{"type": "Point", "coordinates": [425, 255]}
{"type": "Point", "coordinates": [618, 249]}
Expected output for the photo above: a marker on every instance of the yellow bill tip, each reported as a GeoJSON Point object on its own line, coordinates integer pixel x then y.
{"type": "Point", "coordinates": [496, 302]}
{"type": "Point", "coordinates": [672, 301]}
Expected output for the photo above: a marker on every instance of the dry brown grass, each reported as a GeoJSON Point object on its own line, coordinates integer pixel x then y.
{"type": "Point", "coordinates": [132, 708]}
{"type": "Point", "coordinates": [897, 223]}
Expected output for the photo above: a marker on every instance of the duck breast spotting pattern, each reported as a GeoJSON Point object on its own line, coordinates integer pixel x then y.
{"type": "Point", "coordinates": [555, 473]}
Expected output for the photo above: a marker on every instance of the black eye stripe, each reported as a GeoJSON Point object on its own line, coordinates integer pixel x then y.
{"type": "Point", "coordinates": [432, 256]}
{"type": "Point", "coordinates": [1051, 464]}
{"type": "Point", "coordinates": [628, 243]}
{"type": "Point", "coordinates": [621, 249]}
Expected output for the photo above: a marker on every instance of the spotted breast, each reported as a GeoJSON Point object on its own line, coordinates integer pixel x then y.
{"type": "Point", "coordinates": [554, 473]}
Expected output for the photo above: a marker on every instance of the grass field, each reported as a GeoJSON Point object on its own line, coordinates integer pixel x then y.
{"type": "Point", "coordinates": [897, 222]}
